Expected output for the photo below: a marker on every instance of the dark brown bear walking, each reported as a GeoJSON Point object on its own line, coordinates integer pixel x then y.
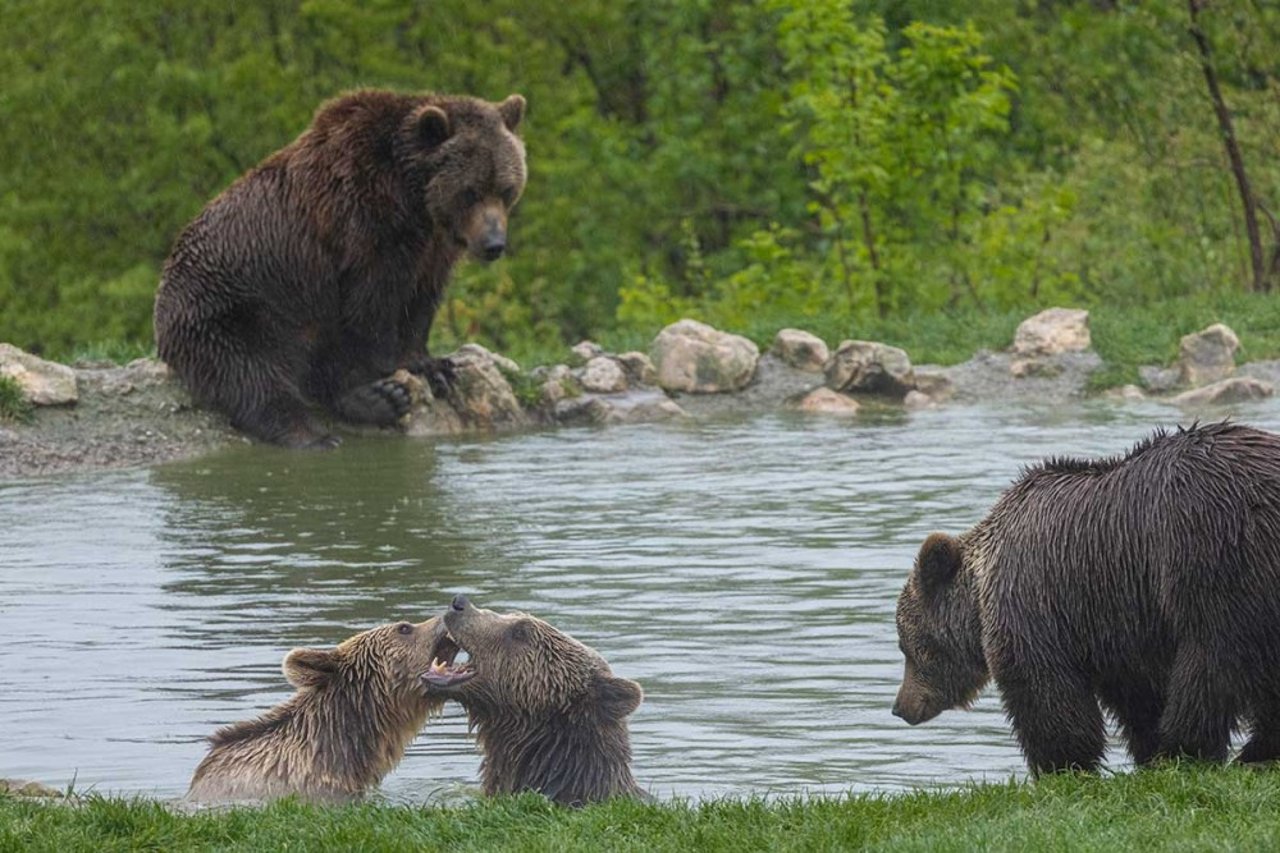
{"type": "Point", "coordinates": [315, 276]}
{"type": "Point", "coordinates": [548, 713]}
{"type": "Point", "coordinates": [1147, 584]}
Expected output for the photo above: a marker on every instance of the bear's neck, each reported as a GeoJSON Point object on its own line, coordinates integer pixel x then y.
{"type": "Point", "coordinates": [570, 759]}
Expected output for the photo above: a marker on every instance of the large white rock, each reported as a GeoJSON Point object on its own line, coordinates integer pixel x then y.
{"type": "Point", "coordinates": [869, 367]}
{"type": "Point", "coordinates": [801, 350]}
{"type": "Point", "coordinates": [1053, 331]}
{"type": "Point", "coordinates": [1208, 355]}
{"type": "Point", "coordinates": [1236, 389]}
{"type": "Point", "coordinates": [43, 383]}
{"type": "Point", "coordinates": [692, 356]}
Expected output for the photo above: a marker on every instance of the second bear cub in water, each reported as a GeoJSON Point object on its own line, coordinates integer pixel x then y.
{"type": "Point", "coordinates": [548, 713]}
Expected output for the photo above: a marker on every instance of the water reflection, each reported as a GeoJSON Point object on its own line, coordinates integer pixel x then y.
{"type": "Point", "coordinates": [744, 572]}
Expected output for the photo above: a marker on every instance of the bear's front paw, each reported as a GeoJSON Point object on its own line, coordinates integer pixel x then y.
{"type": "Point", "coordinates": [440, 373]}
{"type": "Point", "coordinates": [381, 403]}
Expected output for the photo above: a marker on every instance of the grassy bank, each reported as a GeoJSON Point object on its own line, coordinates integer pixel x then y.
{"type": "Point", "coordinates": [1169, 808]}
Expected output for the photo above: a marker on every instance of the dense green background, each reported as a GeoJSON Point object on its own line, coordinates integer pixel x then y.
{"type": "Point", "coordinates": [849, 166]}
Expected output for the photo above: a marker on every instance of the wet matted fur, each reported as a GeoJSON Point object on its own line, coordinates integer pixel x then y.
{"type": "Point", "coordinates": [316, 276]}
{"type": "Point", "coordinates": [357, 708]}
{"type": "Point", "coordinates": [1147, 584]}
{"type": "Point", "coordinates": [548, 713]}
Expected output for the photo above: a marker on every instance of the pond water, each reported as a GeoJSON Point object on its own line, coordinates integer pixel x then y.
{"type": "Point", "coordinates": [744, 572]}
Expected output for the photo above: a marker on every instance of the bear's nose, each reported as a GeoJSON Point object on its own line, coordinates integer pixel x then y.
{"type": "Point", "coordinates": [460, 602]}
{"type": "Point", "coordinates": [493, 248]}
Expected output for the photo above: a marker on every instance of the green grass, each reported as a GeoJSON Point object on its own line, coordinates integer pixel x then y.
{"type": "Point", "coordinates": [1171, 808]}
{"type": "Point", "coordinates": [14, 405]}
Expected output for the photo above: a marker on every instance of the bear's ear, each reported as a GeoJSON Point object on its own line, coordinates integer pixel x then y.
{"type": "Point", "coordinates": [310, 667]}
{"type": "Point", "coordinates": [512, 111]}
{"type": "Point", "coordinates": [618, 697]}
{"type": "Point", "coordinates": [938, 562]}
{"type": "Point", "coordinates": [432, 125]}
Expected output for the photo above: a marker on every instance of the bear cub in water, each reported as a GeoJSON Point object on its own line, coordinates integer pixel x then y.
{"type": "Point", "coordinates": [548, 713]}
{"type": "Point", "coordinates": [1147, 584]}
{"type": "Point", "coordinates": [358, 707]}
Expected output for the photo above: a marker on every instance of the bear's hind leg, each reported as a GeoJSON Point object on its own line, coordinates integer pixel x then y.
{"type": "Point", "coordinates": [1057, 721]}
{"type": "Point", "coordinates": [259, 397]}
{"type": "Point", "coordinates": [1137, 707]}
{"type": "Point", "coordinates": [1200, 711]}
{"type": "Point", "coordinates": [381, 403]}
{"type": "Point", "coordinates": [1264, 729]}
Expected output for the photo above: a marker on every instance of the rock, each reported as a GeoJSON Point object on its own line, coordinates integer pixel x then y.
{"type": "Point", "coordinates": [916, 400]}
{"type": "Point", "coordinates": [1021, 368]}
{"type": "Point", "coordinates": [25, 788]}
{"type": "Point", "coordinates": [476, 351]}
{"type": "Point", "coordinates": [43, 383]}
{"type": "Point", "coordinates": [1237, 389]}
{"type": "Point", "coordinates": [555, 384]}
{"type": "Point", "coordinates": [935, 386]}
{"type": "Point", "coordinates": [603, 375]}
{"type": "Point", "coordinates": [639, 368]}
{"type": "Point", "coordinates": [693, 357]}
{"type": "Point", "coordinates": [480, 394]}
{"type": "Point", "coordinates": [586, 350]}
{"type": "Point", "coordinates": [801, 350]}
{"type": "Point", "coordinates": [644, 406]}
{"type": "Point", "coordinates": [824, 401]}
{"type": "Point", "coordinates": [1159, 379]}
{"type": "Point", "coordinates": [1207, 356]}
{"type": "Point", "coordinates": [1126, 394]}
{"type": "Point", "coordinates": [871, 368]}
{"type": "Point", "coordinates": [1054, 331]}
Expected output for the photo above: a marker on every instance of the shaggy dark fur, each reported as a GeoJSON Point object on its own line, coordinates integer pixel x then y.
{"type": "Point", "coordinates": [315, 276]}
{"type": "Point", "coordinates": [548, 713]}
{"type": "Point", "coordinates": [358, 707]}
{"type": "Point", "coordinates": [1147, 584]}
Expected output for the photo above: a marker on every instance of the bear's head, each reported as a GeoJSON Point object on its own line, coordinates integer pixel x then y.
{"type": "Point", "coordinates": [381, 665]}
{"type": "Point", "coordinates": [474, 165]}
{"type": "Point", "coordinates": [939, 632]}
{"type": "Point", "coordinates": [521, 665]}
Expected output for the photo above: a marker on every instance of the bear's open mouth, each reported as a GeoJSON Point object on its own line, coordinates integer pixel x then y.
{"type": "Point", "coordinates": [443, 671]}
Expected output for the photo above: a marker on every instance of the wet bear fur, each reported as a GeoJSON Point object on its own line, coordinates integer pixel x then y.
{"type": "Point", "coordinates": [548, 713]}
{"type": "Point", "coordinates": [1146, 585]}
{"type": "Point", "coordinates": [315, 276]}
{"type": "Point", "coordinates": [357, 708]}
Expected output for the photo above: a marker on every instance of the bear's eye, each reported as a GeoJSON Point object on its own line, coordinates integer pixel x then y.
{"type": "Point", "coordinates": [470, 198]}
{"type": "Point", "coordinates": [508, 197]}
{"type": "Point", "coordinates": [404, 628]}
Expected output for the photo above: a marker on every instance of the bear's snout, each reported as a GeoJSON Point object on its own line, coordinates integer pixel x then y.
{"type": "Point", "coordinates": [460, 602]}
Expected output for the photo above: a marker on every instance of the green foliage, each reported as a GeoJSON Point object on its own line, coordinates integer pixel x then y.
{"type": "Point", "coordinates": [1170, 808]}
{"type": "Point", "coordinates": [14, 405]}
{"type": "Point", "coordinates": [719, 159]}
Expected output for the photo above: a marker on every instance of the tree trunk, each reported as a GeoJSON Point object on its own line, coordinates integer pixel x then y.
{"type": "Point", "coordinates": [1261, 280]}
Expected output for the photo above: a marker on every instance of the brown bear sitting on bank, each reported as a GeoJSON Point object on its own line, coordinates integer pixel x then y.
{"type": "Point", "coordinates": [1148, 583]}
{"type": "Point", "coordinates": [315, 276]}
{"type": "Point", "coordinates": [358, 707]}
{"type": "Point", "coordinates": [548, 713]}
